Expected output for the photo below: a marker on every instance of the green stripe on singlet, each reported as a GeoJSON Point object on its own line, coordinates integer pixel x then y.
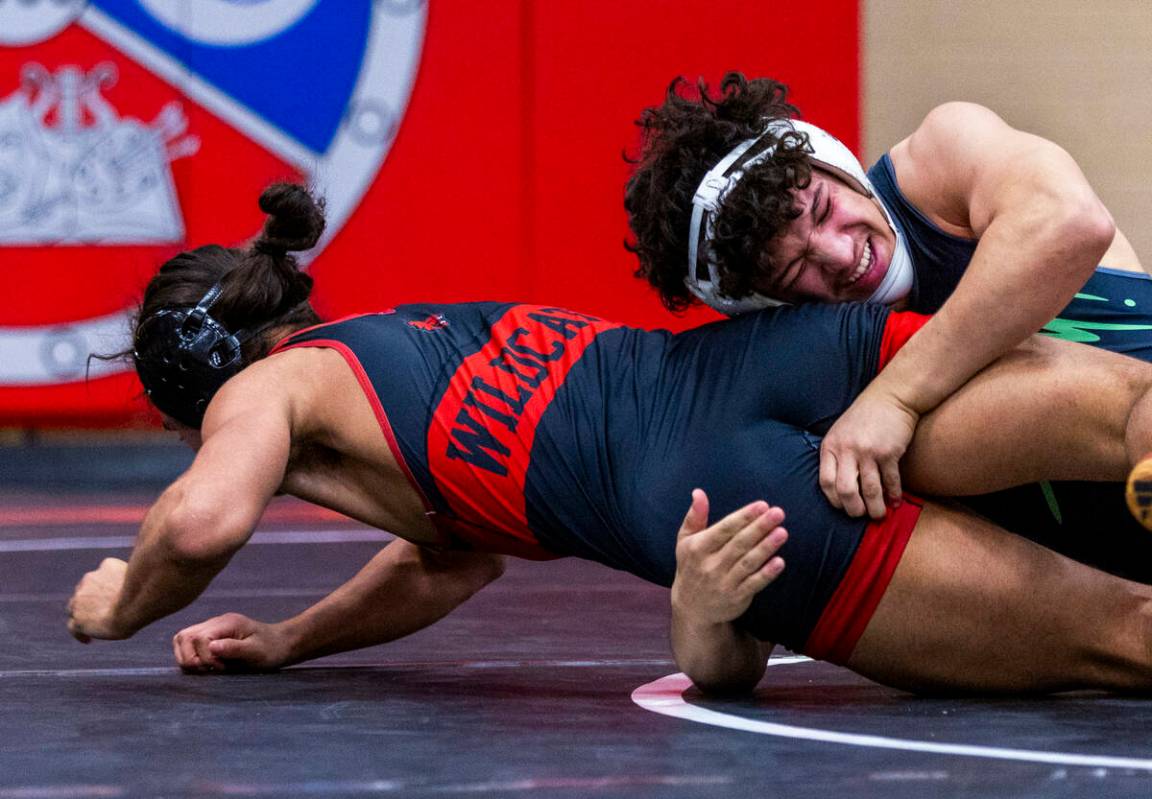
{"type": "Point", "coordinates": [1053, 503]}
{"type": "Point", "coordinates": [1080, 331]}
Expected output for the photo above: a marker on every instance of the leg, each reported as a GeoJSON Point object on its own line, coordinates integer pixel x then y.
{"type": "Point", "coordinates": [1049, 410]}
{"type": "Point", "coordinates": [973, 608]}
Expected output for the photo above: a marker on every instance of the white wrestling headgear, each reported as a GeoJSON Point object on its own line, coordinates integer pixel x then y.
{"type": "Point", "coordinates": [828, 153]}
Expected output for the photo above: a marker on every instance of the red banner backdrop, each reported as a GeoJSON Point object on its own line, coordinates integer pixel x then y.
{"type": "Point", "coordinates": [504, 179]}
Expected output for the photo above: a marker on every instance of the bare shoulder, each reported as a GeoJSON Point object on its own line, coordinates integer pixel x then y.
{"type": "Point", "coordinates": [951, 128]}
{"type": "Point", "coordinates": [940, 165]}
{"type": "Point", "coordinates": [319, 395]}
{"type": "Point", "coordinates": [284, 384]}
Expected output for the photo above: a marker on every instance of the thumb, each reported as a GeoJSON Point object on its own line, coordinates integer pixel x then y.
{"type": "Point", "coordinates": [242, 649]}
{"type": "Point", "coordinates": [697, 516]}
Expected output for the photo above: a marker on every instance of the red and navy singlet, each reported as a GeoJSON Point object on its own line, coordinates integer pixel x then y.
{"type": "Point", "coordinates": [542, 432]}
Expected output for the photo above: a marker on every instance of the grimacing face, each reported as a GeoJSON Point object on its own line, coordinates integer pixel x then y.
{"type": "Point", "coordinates": [837, 250]}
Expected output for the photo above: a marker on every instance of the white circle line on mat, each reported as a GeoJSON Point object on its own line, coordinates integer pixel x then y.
{"type": "Point", "coordinates": [666, 697]}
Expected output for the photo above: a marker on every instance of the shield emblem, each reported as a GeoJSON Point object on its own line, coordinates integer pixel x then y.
{"type": "Point", "coordinates": [133, 129]}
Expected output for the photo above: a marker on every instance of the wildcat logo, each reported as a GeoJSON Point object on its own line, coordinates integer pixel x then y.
{"type": "Point", "coordinates": [432, 323]}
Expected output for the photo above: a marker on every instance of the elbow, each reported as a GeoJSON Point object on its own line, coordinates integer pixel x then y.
{"type": "Point", "coordinates": [466, 572]}
{"type": "Point", "coordinates": [195, 534]}
{"type": "Point", "coordinates": [1086, 227]}
{"type": "Point", "coordinates": [480, 573]}
{"type": "Point", "coordinates": [490, 570]}
{"type": "Point", "coordinates": [723, 676]}
{"type": "Point", "coordinates": [1099, 230]}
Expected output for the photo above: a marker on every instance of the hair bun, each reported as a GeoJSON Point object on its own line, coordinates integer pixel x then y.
{"type": "Point", "coordinates": [295, 219]}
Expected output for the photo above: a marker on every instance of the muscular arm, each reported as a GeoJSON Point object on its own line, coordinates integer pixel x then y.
{"type": "Point", "coordinates": [198, 523]}
{"type": "Point", "coordinates": [1041, 232]}
{"type": "Point", "coordinates": [402, 590]}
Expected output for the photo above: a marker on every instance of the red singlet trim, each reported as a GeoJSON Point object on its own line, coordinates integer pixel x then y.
{"type": "Point", "coordinates": [378, 409]}
{"type": "Point", "coordinates": [864, 583]}
{"type": "Point", "coordinates": [900, 326]}
{"type": "Point", "coordinates": [282, 344]}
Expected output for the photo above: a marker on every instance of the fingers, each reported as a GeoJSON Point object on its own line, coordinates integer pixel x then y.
{"type": "Point", "coordinates": [829, 467]}
{"type": "Point", "coordinates": [715, 537]}
{"type": "Point", "coordinates": [762, 577]}
{"type": "Point", "coordinates": [114, 566]}
{"type": "Point", "coordinates": [201, 645]}
{"type": "Point", "coordinates": [193, 646]}
{"type": "Point", "coordinates": [717, 586]}
{"type": "Point", "coordinates": [748, 551]}
{"type": "Point", "coordinates": [759, 567]}
{"type": "Point", "coordinates": [872, 489]}
{"type": "Point", "coordinates": [757, 541]}
{"type": "Point", "coordinates": [183, 653]}
{"type": "Point", "coordinates": [75, 631]}
{"type": "Point", "coordinates": [237, 650]}
{"type": "Point", "coordinates": [859, 487]}
{"type": "Point", "coordinates": [697, 517]}
{"type": "Point", "coordinates": [840, 480]}
{"type": "Point", "coordinates": [848, 486]}
{"type": "Point", "coordinates": [185, 650]}
{"type": "Point", "coordinates": [890, 473]}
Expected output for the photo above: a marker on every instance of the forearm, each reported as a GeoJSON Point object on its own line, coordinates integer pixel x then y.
{"type": "Point", "coordinates": [718, 658]}
{"type": "Point", "coordinates": [167, 571]}
{"type": "Point", "coordinates": [399, 592]}
{"type": "Point", "coordinates": [1022, 274]}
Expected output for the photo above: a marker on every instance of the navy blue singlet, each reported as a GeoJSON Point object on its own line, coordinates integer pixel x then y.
{"type": "Point", "coordinates": [541, 432]}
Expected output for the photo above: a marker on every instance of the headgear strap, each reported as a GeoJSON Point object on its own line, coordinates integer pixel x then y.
{"type": "Point", "coordinates": [703, 278]}
{"type": "Point", "coordinates": [183, 356]}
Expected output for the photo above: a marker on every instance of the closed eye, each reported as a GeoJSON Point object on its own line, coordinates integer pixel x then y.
{"type": "Point", "coordinates": [827, 210]}
{"type": "Point", "coordinates": [787, 276]}
{"type": "Point", "coordinates": [795, 269]}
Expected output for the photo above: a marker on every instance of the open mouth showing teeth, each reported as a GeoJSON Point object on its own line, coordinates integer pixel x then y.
{"type": "Point", "coordinates": [865, 262]}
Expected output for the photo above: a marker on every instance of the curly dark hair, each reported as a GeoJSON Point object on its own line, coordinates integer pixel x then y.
{"type": "Point", "coordinates": [680, 141]}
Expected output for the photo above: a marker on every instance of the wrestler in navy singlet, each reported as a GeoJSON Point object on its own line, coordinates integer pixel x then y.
{"type": "Point", "coordinates": [542, 432]}
{"type": "Point", "coordinates": [1112, 311]}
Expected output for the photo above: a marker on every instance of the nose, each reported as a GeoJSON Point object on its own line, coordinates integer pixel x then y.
{"type": "Point", "coordinates": [834, 250]}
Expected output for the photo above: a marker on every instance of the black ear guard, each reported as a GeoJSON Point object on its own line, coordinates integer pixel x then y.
{"type": "Point", "coordinates": [187, 357]}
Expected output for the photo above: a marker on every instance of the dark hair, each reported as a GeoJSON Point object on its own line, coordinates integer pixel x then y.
{"type": "Point", "coordinates": [261, 288]}
{"type": "Point", "coordinates": [681, 140]}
